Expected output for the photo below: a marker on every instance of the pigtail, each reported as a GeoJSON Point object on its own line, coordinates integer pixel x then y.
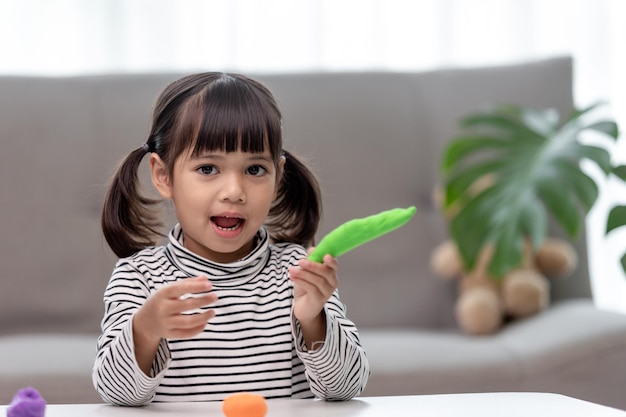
{"type": "Point", "coordinates": [128, 222]}
{"type": "Point", "coordinates": [295, 215]}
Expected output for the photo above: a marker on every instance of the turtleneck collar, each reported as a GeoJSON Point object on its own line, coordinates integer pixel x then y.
{"type": "Point", "coordinates": [230, 273]}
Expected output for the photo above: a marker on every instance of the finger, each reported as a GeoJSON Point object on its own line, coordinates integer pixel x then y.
{"type": "Point", "coordinates": [326, 271]}
{"type": "Point", "coordinates": [196, 302]}
{"type": "Point", "coordinates": [190, 321]}
{"type": "Point", "coordinates": [186, 304]}
{"type": "Point", "coordinates": [327, 259]}
{"type": "Point", "coordinates": [184, 327]}
{"type": "Point", "coordinates": [331, 262]}
{"type": "Point", "coordinates": [305, 286]}
{"type": "Point", "coordinates": [323, 283]}
{"type": "Point", "coordinates": [188, 286]}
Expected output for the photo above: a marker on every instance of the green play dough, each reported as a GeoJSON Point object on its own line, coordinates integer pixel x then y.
{"type": "Point", "coordinates": [356, 232]}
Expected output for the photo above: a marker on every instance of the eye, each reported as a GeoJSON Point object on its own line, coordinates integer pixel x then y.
{"type": "Point", "coordinates": [207, 170]}
{"type": "Point", "coordinates": [256, 170]}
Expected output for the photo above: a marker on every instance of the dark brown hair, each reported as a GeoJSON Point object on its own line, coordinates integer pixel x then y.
{"type": "Point", "coordinates": [211, 112]}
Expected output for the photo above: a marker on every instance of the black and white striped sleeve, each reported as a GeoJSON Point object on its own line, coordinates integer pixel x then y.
{"type": "Point", "coordinates": [338, 369]}
{"type": "Point", "coordinates": [116, 374]}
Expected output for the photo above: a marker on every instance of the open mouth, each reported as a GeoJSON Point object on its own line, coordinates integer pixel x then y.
{"type": "Point", "coordinates": [227, 223]}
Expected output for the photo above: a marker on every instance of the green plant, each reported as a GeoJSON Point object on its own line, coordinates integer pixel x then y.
{"type": "Point", "coordinates": [617, 215]}
{"type": "Point", "coordinates": [533, 163]}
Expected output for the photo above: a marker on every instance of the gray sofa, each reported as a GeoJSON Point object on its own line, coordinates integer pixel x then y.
{"type": "Point", "coordinates": [374, 139]}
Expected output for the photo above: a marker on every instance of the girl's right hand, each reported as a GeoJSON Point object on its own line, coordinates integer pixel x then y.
{"type": "Point", "coordinates": [163, 314]}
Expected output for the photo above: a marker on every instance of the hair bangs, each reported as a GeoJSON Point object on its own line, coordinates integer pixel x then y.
{"type": "Point", "coordinates": [230, 116]}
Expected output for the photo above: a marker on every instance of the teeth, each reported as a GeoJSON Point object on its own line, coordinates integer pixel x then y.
{"type": "Point", "coordinates": [231, 228]}
{"type": "Point", "coordinates": [228, 228]}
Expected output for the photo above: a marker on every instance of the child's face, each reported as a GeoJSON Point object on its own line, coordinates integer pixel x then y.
{"type": "Point", "coordinates": [221, 200]}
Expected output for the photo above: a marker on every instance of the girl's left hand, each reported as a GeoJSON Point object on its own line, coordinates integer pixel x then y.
{"type": "Point", "coordinates": [314, 283]}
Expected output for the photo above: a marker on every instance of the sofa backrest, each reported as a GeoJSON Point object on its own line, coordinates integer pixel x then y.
{"type": "Point", "coordinates": [373, 139]}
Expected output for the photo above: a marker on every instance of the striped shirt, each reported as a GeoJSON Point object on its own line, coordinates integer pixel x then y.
{"type": "Point", "coordinates": [253, 344]}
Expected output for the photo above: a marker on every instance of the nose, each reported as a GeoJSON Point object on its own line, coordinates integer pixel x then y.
{"type": "Point", "coordinates": [232, 189]}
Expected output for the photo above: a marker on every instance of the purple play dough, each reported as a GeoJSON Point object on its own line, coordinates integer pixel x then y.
{"type": "Point", "coordinates": [27, 403]}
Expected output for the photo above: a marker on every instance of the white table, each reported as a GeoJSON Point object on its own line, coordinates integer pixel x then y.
{"type": "Point", "coordinates": [465, 405]}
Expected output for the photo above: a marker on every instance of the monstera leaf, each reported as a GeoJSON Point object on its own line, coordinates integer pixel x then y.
{"type": "Point", "coordinates": [617, 215]}
{"type": "Point", "coordinates": [532, 160]}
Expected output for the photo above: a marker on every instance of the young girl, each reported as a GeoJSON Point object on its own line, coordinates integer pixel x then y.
{"type": "Point", "coordinates": [230, 303]}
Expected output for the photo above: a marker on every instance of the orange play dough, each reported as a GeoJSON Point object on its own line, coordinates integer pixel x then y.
{"type": "Point", "coordinates": [244, 404]}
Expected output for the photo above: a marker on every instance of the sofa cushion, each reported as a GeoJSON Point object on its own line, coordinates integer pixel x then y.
{"type": "Point", "coordinates": [58, 366]}
{"type": "Point", "coordinates": [560, 350]}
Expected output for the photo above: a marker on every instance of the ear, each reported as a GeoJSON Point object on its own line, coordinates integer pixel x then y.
{"type": "Point", "coordinates": [160, 176]}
